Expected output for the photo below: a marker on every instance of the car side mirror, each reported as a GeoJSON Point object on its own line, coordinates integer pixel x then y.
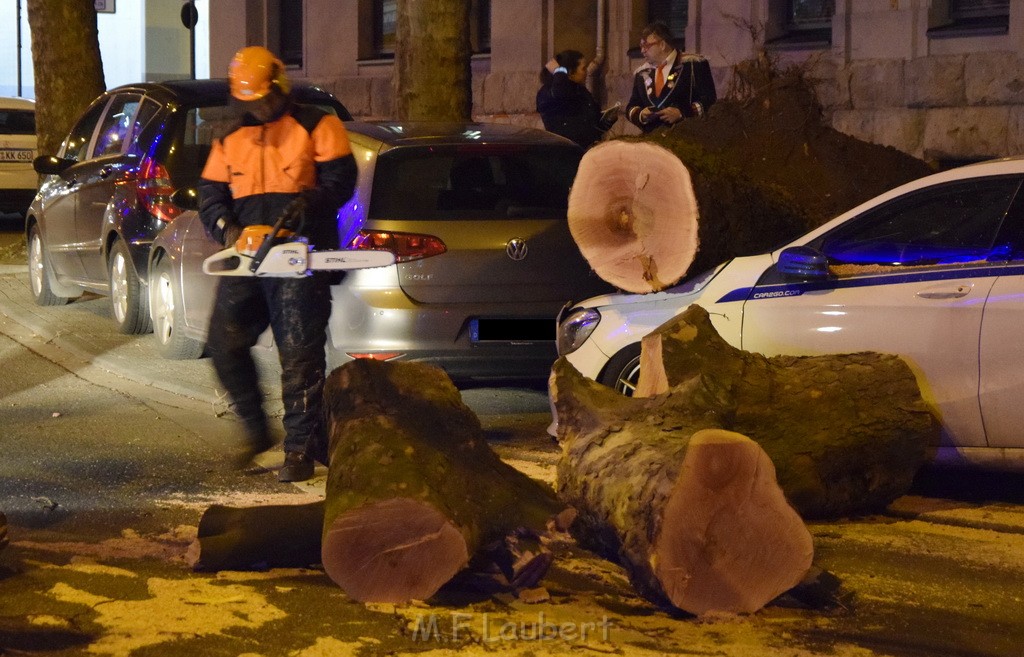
{"type": "Point", "coordinates": [186, 198]}
{"type": "Point", "coordinates": [51, 165]}
{"type": "Point", "coordinates": [803, 262]}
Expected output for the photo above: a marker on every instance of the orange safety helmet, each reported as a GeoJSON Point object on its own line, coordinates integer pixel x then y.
{"type": "Point", "coordinates": [254, 71]}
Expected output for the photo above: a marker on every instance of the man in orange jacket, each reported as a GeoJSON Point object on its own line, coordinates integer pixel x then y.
{"type": "Point", "coordinates": [282, 157]}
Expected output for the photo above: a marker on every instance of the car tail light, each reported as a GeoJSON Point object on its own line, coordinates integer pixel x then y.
{"type": "Point", "coordinates": [155, 191]}
{"type": "Point", "coordinates": [375, 355]}
{"type": "Point", "coordinates": [405, 246]}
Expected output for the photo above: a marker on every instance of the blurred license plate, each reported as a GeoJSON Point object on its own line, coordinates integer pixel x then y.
{"type": "Point", "coordinates": [15, 154]}
{"type": "Point", "coordinates": [512, 330]}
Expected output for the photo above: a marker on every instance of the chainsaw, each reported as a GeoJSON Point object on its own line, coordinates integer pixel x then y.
{"type": "Point", "coordinates": [278, 252]}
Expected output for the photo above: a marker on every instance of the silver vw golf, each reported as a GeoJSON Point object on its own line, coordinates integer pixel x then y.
{"type": "Point", "coordinates": [476, 217]}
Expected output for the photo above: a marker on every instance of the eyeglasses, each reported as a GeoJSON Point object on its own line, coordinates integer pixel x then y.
{"type": "Point", "coordinates": [647, 45]}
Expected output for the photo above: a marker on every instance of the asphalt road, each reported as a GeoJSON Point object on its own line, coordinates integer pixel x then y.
{"type": "Point", "coordinates": [110, 455]}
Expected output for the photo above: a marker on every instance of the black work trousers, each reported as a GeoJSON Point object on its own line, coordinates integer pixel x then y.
{"type": "Point", "coordinates": [297, 310]}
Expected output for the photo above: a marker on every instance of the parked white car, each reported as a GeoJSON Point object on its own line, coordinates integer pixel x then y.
{"type": "Point", "coordinates": [932, 270]}
{"type": "Point", "coordinates": [18, 180]}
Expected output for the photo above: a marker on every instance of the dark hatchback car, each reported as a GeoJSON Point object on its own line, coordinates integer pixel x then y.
{"type": "Point", "coordinates": [107, 190]}
{"type": "Point", "coordinates": [476, 217]}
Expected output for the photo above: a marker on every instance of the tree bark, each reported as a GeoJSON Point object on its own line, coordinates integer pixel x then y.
{"type": "Point", "coordinates": [413, 489]}
{"type": "Point", "coordinates": [432, 61]}
{"type": "Point", "coordinates": [634, 215]}
{"type": "Point", "coordinates": [258, 538]}
{"type": "Point", "coordinates": [845, 433]}
{"type": "Point", "coordinates": [67, 66]}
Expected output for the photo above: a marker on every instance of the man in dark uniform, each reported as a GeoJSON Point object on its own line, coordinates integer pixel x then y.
{"type": "Point", "coordinates": [670, 85]}
{"type": "Point", "coordinates": [283, 158]}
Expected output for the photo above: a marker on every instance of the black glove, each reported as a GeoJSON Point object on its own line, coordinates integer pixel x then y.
{"type": "Point", "coordinates": [232, 231]}
{"type": "Point", "coordinates": [296, 211]}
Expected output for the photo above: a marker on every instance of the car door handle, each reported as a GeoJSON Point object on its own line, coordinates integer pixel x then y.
{"type": "Point", "coordinates": [106, 171]}
{"type": "Point", "coordinates": [946, 293]}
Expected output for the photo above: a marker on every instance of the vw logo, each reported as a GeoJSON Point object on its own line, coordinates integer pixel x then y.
{"type": "Point", "coordinates": [516, 248]}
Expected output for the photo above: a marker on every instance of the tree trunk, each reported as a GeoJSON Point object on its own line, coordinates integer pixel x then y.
{"type": "Point", "coordinates": [258, 538]}
{"type": "Point", "coordinates": [690, 511]}
{"type": "Point", "coordinates": [634, 215]}
{"type": "Point", "coordinates": [432, 61]}
{"type": "Point", "coordinates": [4, 540]}
{"type": "Point", "coordinates": [643, 217]}
{"type": "Point", "coordinates": [413, 490]}
{"type": "Point", "coordinates": [845, 433]}
{"type": "Point", "coordinates": [67, 67]}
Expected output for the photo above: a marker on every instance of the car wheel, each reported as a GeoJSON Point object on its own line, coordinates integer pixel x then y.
{"type": "Point", "coordinates": [623, 370]}
{"type": "Point", "coordinates": [130, 308]}
{"type": "Point", "coordinates": [39, 272]}
{"type": "Point", "coordinates": [168, 315]}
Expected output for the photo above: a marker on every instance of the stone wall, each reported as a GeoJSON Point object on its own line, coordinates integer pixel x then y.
{"type": "Point", "coordinates": [953, 107]}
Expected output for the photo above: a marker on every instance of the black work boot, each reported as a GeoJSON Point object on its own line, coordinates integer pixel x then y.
{"type": "Point", "coordinates": [297, 467]}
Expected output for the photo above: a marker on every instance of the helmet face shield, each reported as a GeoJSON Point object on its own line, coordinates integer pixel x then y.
{"type": "Point", "coordinates": [254, 72]}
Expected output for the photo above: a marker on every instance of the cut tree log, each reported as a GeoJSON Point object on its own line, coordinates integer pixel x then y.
{"type": "Point", "coordinates": [845, 434]}
{"type": "Point", "coordinates": [257, 538]}
{"type": "Point", "coordinates": [728, 540]}
{"type": "Point", "coordinates": [692, 540]}
{"type": "Point", "coordinates": [413, 489]}
{"type": "Point", "coordinates": [633, 214]}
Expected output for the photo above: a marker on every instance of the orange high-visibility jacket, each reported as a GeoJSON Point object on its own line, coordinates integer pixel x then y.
{"type": "Point", "coordinates": [255, 171]}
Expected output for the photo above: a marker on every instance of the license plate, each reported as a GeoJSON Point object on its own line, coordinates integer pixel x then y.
{"type": "Point", "coordinates": [512, 330]}
{"type": "Point", "coordinates": [16, 154]}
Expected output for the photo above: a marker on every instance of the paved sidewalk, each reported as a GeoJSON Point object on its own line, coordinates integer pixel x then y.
{"type": "Point", "coordinates": [97, 353]}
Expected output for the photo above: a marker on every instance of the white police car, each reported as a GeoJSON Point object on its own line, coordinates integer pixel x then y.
{"type": "Point", "coordinates": [932, 270]}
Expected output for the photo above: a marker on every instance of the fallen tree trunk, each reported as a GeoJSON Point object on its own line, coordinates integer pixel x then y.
{"type": "Point", "coordinates": [258, 538]}
{"type": "Point", "coordinates": [691, 512]}
{"type": "Point", "coordinates": [413, 489]}
{"type": "Point", "coordinates": [846, 432]}
{"type": "Point", "coordinates": [638, 212]}
{"type": "Point", "coordinates": [834, 454]}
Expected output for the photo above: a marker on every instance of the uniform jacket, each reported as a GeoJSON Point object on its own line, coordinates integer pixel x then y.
{"type": "Point", "coordinates": [689, 87]}
{"type": "Point", "coordinates": [569, 109]}
{"type": "Point", "coordinates": [256, 170]}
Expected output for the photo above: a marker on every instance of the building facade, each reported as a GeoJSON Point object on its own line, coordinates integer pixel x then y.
{"type": "Point", "coordinates": [939, 79]}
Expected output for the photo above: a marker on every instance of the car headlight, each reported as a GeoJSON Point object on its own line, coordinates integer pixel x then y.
{"type": "Point", "coordinates": [575, 328]}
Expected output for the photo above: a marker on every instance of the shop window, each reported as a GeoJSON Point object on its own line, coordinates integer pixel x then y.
{"type": "Point", "coordinates": [970, 18]}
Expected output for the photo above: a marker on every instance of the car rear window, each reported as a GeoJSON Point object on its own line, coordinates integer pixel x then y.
{"type": "Point", "coordinates": [17, 122]}
{"type": "Point", "coordinates": [472, 183]}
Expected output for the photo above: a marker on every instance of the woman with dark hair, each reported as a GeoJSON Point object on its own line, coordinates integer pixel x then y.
{"type": "Point", "coordinates": [565, 105]}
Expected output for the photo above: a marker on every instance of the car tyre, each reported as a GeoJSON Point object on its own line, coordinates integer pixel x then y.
{"type": "Point", "coordinates": [168, 317]}
{"type": "Point", "coordinates": [129, 306]}
{"type": "Point", "coordinates": [40, 273]}
{"type": "Point", "coordinates": [623, 370]}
